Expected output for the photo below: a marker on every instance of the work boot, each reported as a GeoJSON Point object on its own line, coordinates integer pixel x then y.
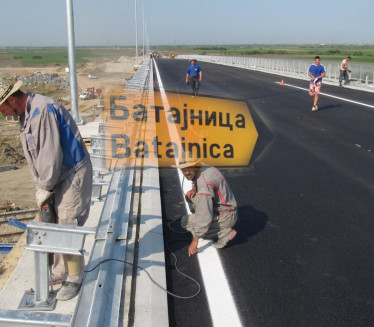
{"type": "Point", "coordinates": [222, 242]}
{"type": "Point", "coordinates": [68, 291]}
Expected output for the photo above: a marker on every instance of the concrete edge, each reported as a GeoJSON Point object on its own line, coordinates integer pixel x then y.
{"type": "Point", "coordinates": [151, 301]}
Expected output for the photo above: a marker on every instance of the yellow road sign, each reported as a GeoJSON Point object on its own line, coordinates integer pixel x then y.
{"type": "Point", "coordinates": [216, 131]}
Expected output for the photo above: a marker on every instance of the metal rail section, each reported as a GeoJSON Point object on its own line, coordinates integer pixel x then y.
{"type": "Point", "coordinates": [100, 296]}
{"type": "Point", "coordinates": [361, 76]}
{"type": "Point", "coordinates": [24, 318]}
{"type": "Point", "coordinates": [103, 293]}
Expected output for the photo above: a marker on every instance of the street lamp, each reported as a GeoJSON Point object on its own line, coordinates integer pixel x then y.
{"type": "Point", "coordinates": [136, 34]}
{"type": "Point", "coordinates": [72, 66]}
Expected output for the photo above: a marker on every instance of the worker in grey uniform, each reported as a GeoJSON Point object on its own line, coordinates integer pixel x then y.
{"type": "Point", "coordinates": [60, 167]}
{"type": "Point", "coordinates": [213, 205]}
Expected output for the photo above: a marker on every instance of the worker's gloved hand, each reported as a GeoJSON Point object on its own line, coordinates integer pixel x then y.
{"type": "Point", "coordinates": [315, 80]}
{"type": "Point", "coordinates": [190, 194]}
{"type": "Point", "coordinates": [42, 196]}
{"type": "Point", "coordinates": [349, 71]}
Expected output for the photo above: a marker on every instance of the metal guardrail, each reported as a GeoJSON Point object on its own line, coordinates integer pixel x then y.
{"type": "Point", "coordinates": [362, 75]}
{"type": "Point", "coordinates": [101, 156]}
{"type": "Point", "coordinates": [140, 80]}
{"type": "Point", "coordinates": [100, 297]}
{"type": "Point", "coordinates": [25, 318]}
{"type": "Point", "coordinates": [106, 297]}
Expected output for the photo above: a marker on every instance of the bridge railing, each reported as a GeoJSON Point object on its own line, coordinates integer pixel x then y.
{"type": "Point", "coordinates": [362, 75]}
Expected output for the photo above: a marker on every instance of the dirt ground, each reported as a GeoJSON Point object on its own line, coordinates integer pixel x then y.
{"type": "Point", "coordinates": [16, 186]}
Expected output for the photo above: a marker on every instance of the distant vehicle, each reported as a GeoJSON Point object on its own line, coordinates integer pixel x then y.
{"type": "Point", "coordinates": [86, 96]}
{"type": "Point", "coordinates": [92, 76]}
{"type": "Point", "coordinates": [90, 93]}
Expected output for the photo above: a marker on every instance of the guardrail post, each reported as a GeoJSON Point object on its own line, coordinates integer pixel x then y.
{"type": "Point", "coordinates": [45, 238]}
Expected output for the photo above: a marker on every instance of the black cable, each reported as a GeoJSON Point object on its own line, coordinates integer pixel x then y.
{"type": "Point", "coordinates": [183, 274]}
{"type": "Point", "coordinates": [150, 277]}
{"type": "Point", "coordinates": [175, 231]}
{"type": "Point", "coordinates": [175, 264]}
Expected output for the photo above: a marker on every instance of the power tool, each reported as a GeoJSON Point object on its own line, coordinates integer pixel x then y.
{"type": "Point", "coordinates": [47, 213]}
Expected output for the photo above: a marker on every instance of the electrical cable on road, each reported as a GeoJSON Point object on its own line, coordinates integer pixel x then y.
{"type": "Point", "coordinates": [149, 275]}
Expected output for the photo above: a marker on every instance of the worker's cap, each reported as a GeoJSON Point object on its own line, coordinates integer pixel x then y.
{"type": "Point", "coordinates": [6, 90]}
{"type": "Point", "coordinates": [186, 160]}
{"type": "Point", "coordinates": [193, 60]}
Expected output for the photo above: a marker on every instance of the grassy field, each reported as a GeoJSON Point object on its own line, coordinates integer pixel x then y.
{"type": "Point", "coordinates": [359, 53]}
{"type": "Point", "coordinates": [59, 56]}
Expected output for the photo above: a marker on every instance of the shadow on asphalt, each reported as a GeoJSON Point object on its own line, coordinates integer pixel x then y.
{"type": "Point", "coordinates": [331, 106]}
{"type": "Point", "coordinates": [250, 222]}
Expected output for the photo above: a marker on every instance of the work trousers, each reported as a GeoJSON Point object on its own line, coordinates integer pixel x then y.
{"type": "Point", "coordinates": [220, 226]}
{"type": "Point", "coordinates": [195, 83]}
{"type": "Point", "coordinates": [343, 76]}
{"type": "Point", "coordinates": [72, 201]}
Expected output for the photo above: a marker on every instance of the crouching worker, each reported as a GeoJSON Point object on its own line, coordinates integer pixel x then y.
{"type": "Point", "coordinates": [60, 166]}
{"type": "Point", "coordinates": [213, 203]}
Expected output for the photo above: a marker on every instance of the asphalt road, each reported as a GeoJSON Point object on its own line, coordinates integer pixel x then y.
{"type": "Point", "coordinates": [303, 255]}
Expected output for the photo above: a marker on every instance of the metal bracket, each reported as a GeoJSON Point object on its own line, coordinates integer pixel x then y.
{"type": "Point", "coordinates": [97, 188]}
{"type": "Point", "coordinates": [29, 301]}
{"type": "Point", "coordinates": [45, 238]}
{"type": "Point", "coordinates": [65, 239]}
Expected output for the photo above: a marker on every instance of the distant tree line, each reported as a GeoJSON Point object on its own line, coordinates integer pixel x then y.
{"type": "Point", "coordinates": [211, 48]}
{"type": "Point", "coordinates": [261, 51]}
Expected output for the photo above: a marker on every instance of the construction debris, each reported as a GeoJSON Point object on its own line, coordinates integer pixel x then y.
{"type": "Point", "coordinates": [7, 207]}
{"type": "Point", "coordinates": [36, 78]}
{"type": "Point", "coordinates": [6, 168]}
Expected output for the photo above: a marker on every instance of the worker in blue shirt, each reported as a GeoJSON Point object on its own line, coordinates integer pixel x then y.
{"type": "Point", "coordinates": [194, 76]}
{"type": "Point", "coordinates": [316, 73]}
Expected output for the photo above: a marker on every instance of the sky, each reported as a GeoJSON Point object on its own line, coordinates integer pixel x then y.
{"type": "Point", "coordinates": [194, 22]}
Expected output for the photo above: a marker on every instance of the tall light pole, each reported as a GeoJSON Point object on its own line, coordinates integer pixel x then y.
{"type": "Point", "coordinates": [136, 34]}
{"type": "Point", "coordinates": [72, 66]}
{"type": "Point", "coordinates": [143, 27]}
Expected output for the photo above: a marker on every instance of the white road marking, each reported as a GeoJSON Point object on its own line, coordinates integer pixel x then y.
{"type": "Point", "coordinates": [221, 302]}
{"type": "Point", "coordinates": [331, 96]}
